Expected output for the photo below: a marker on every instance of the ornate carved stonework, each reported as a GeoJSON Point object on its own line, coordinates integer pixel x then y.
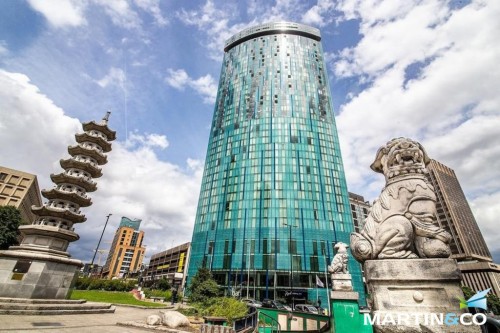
{"type": "Point", "coordinates": [402, 223]}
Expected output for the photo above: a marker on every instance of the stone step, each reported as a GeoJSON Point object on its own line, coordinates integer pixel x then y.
{"type": "Point", "coordinates": [55, 312]}
{"type": "Point", "coordinates": [41, 301]}
{"type": "Point", "coordinates": [51, 306]}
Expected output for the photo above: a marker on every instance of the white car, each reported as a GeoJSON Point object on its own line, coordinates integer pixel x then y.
{"type": "Point", "coordinates": [252, 302]}
{"type": "Point", "coordinates": [306, 308]}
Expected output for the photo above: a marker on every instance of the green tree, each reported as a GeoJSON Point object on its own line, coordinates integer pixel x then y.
{"type": "Point", "coordinates": [493, 303]}
{"type": "Point", "coordinates": [492, 300]}
{"type": "Point", "coordinates": [163, 284]}
{"type": "Point", "coordinates": [468, 293]}
{"type": "Point", "coordinates": [10, 220]}
{"type": "Point", "coordinates": [203, 287]}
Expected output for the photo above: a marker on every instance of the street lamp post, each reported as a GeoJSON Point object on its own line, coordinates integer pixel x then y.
{"type": "Point", "coordinates": [291, 258]}
{"type": "Point", "coordinates": [100, 239]}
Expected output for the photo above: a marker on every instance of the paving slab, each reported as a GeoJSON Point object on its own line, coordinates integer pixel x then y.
{"type": "Point", "coordinates": [85, 323]}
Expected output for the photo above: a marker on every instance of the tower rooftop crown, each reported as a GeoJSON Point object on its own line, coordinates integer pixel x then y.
{"type": "Point", "coordinates": [272, 28]}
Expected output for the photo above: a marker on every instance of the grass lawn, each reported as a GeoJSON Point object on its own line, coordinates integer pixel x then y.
{"type": "Point", "coordinates": [111, 297]}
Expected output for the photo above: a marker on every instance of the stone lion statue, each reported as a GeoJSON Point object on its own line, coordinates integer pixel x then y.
{"type": "Point", "coordinates": [402, 222]}
{"type": "Point", "coordinates": [339, 261]}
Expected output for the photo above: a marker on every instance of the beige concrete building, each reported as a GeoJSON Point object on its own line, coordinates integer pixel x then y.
{"type": "Point", "coordinates": [359, 210]}
{"type": "Point", "coordinates": [467, 245]}
{"type": "Point", "coordinates": [479, 275]}
{"type": "Point", "coordinates": [19, 189]}
{"type": "Point", "coordinates": [455, 215]}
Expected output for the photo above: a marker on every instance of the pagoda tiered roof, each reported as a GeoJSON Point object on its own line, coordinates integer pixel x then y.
{"type": "Point", "coordinates": [49, 231]}
{"type": "Point", "coordinates": [103, 128]}
{"type": "Point", "coordinates": [59, 213]}
{"type": "Point", "coordinates": [94, 171]}
{"type": "Point", "coordinates": [68, 196]}
{"type": "Point", "coordinates": [88, 185]}
{"type": "Point", "coordinates": [82, 137]}
{"type": "Point", "coordinates": [95, 154]}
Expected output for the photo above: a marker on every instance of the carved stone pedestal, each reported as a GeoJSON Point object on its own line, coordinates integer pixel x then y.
{"type": "Point", "coordinates": [341, 282]}
{"type": "Point", "coordinates": [415, 295]}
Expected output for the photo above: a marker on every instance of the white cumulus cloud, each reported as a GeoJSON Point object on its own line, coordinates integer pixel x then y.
{"type": "Point", "coordinates": [61, 13]}
{"type": "Point", "coordinates": [205, 86]}
{"type": "Point", "coordinates": [319, 14]}
{"type": "Point", "coordinates": [35, 134]}
{"type": "Point", "coordinates": [430, 73]}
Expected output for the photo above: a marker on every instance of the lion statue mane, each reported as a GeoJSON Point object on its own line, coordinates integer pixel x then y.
{"type": "Point", "coordinates": [402, 222]}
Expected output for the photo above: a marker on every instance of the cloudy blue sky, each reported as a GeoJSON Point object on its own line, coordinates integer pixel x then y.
{"type": "Point", "coordinates": [425, 69]}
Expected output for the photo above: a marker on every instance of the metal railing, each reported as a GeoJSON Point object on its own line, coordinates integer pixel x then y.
{"type": "Point", "coordinates": [250, 321]}
{"type": "Point", "coordinates": [274, 324]}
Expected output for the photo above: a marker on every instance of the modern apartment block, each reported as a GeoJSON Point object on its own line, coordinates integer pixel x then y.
{"type": "Point", "coordinates": [273, 200]}
{"type": "Point", "coordinates": [468, 246]}
{"type": "Point", "coordinates": [19, 189]}
{"type": "Point", "coordinates": [126, 252]}
{"type": "Point", "coordinates": [171, 264]}
{"type": "Point", "coordinates": [359, 210]}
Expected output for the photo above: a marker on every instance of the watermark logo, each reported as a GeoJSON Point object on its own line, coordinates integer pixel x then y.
{"type": "Point", "coordinates": [476, 301]}
{"type": "Point", "coordinates": [427, 319]}
{"type": "Point", "coordinates": [431, 319]}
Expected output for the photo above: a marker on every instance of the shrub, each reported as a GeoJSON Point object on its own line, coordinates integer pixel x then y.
{"type": "Point", "coordinates": [227, 307]}
{"type": "Point", "coordinates": [87, 283]}
{"type": "Point", "coordinates": [97, 284]}
{"type": "Point", "coordinates": [189, 311]}
{"type": "Point", "coordinates": [82, 283]}
{"type": "Point", "coordinates": [157, 293]}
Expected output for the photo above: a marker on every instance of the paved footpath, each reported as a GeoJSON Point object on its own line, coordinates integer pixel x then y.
{"type": "Point", "coordinates": [91, 323]}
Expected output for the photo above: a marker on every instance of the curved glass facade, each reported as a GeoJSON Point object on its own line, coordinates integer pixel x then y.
{"type": "Point", "coordinates": [273, 199]}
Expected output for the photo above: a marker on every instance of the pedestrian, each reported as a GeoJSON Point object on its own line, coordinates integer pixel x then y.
{"type": "Point", "coordinates": [174, 295]}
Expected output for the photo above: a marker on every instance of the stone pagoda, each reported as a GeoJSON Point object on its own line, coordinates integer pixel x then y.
{"type": "Point", "coordinates": [41, 267]}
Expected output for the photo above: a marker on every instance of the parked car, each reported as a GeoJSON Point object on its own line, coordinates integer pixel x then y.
{"type": "Point", "coordinates": [252, 302]}
{"type": "Point", "coordinates": [267, 303]}
{"type": "Point", "coordinates": [306, 308]}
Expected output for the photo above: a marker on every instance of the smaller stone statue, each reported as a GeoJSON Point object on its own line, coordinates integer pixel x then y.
{"type": "Point", "coordinates": [339, 262]}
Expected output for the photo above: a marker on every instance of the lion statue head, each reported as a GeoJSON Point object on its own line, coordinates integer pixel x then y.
{"type": "Point", "coordinates": [399, 157]}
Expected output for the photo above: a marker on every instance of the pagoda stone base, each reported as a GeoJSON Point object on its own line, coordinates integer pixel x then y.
{"type": "Point", "coordinates": [411, 295]}
{"type": "Point", "coordinates": [36, 276]}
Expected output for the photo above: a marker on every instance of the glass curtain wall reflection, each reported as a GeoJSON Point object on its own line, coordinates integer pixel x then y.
{"type": "Point", "coordinates": [273, 199]}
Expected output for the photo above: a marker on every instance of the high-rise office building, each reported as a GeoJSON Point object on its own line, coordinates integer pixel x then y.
{"type": "Point", "coordinates": [359, 210]}
{"type": "Point", "coordinates": [273, 199]}
{"type": "Point", "coordinates": [467, 243]}
{"type": "Point", "coordinates": [19, 189]}
{"type": "Point", "coordinates": [127, 252]}
{"type": "Point", "coordinates": [455, 215]}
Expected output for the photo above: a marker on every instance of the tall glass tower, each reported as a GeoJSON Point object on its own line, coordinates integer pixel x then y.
{"type": "Point", "coordinates": [273, 198]}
